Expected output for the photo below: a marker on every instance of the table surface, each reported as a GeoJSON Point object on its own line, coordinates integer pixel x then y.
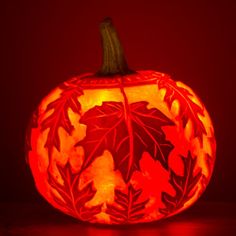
{"type": "Point", "coordinates": [204, 218]}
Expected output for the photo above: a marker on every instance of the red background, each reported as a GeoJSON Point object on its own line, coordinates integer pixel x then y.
{"type": "Point", "coordinates": [47, 42]}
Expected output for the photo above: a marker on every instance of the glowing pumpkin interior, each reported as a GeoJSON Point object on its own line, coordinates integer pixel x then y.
{"type": "Point", "coordinates": [121, 149]}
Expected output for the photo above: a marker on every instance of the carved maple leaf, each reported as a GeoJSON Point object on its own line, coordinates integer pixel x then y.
{"type": "Point", "coordinates": [73, 199]}
{"type": "Point", "coordinates": [188, 109]}
{"type": "Point", "coordinates": [125, 135]}
{"type": "Point", "coordinates": [185, 186]}
{"type": "Point", "coordinates": [59, 117]}
{"type": "Point", "coordinates": [128, 209]}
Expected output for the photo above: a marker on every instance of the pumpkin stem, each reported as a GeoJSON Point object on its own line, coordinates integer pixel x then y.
{"type": "Point", "coordinates": [114, 62]}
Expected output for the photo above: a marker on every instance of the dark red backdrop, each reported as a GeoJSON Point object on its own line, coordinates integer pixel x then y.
{"type": "Point", "coordinates": [46, 42]}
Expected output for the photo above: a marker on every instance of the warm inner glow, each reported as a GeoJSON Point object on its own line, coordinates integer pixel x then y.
{"type": "Point", "coordinates": [161, 131]}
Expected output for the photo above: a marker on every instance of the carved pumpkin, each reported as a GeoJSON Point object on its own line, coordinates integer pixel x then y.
{"type": "Point", "coordinates": [121, 146]}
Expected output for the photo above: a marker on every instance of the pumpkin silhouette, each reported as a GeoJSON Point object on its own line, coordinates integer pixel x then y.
{"type": "Point", "coordinates": [121, 146]}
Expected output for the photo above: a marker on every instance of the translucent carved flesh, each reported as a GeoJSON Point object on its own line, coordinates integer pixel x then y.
{"type": "Point", "coordinates": [152, 178]}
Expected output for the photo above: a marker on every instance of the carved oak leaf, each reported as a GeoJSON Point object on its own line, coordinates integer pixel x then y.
{"type": "Point", "coordinates": [188, 109]}
{"type": "Point", "coordinates": [59, 117]}
{"type": "Point", "coordinates": [71, 197]}
{"type": "Point", "coordinates": [185, 186]}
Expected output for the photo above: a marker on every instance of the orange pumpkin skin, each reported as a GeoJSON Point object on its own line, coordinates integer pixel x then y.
{"type": "Point", "coordinates": [121, 150]}
{"type": "Point", "coordinates": [121, 147]}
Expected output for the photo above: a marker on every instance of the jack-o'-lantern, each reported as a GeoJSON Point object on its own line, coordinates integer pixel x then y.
{"type": "Point", "coordinates": [121, 146]}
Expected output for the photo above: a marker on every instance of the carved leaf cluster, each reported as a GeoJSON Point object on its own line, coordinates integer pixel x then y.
{"type": "Point", "coordinates": [128, 208]}
{"type": "Point", "coordinates": [73, 199]}
{"type": "Point", "coordinates": [185, 186]}
{"type": "Point", "coordinates": [188, 109]}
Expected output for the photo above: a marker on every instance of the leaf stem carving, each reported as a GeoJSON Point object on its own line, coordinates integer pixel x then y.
{"type": "Point", "coordinates": [128, 121]}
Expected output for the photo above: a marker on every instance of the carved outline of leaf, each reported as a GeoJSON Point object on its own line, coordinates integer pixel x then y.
{"type": "Point", "coordinates": [107, 129]}
{"type": "Point", "coordinates": [59, 117]}
{"type": "Point", "coordinates": [188, 109]}
{"type": "Point", "coordinates": [33, 123]}
{"type": "Point", "coordinates": [127, 208]}
{"type": "Point", "coordinates": [185, 186]}
{"type": "Point", "coordinates": [74, 199]}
